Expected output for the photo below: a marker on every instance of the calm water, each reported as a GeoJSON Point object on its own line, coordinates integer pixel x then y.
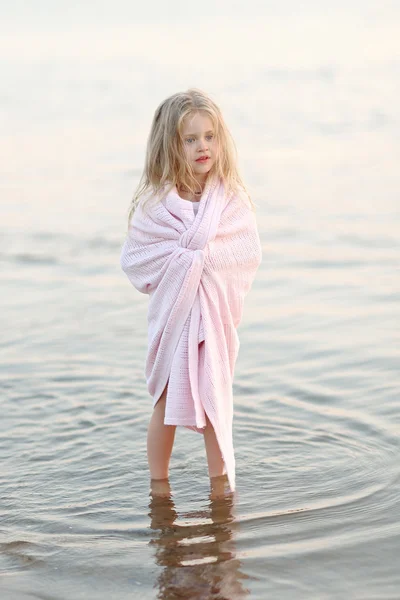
{"type": "Point", "coordinates": [312, 101]}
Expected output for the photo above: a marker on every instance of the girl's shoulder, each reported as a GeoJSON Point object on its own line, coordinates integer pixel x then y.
{"type": "Point", "coordinates": [243, 196]}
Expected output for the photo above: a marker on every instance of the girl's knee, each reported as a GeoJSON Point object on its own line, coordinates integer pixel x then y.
{"type": "Point", "coordinates": [163, 395]}
{"type": "Point", "coordinates": [160, 406]}
{"type": "Point", "coordinates": [208, 423]}
{"type": "Point", "coordinates": [161, 402]}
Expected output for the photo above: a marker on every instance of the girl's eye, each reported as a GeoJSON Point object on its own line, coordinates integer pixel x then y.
{"type": "Point", "coordinates": [190, 140]}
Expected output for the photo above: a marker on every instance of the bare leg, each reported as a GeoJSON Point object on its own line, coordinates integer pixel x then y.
{"type": "Point", "coordinates": [214, 456]}
{"type": "Point", "coordinates": [160, 439]}
{"type": "Point", "coordinates": [218, 479]}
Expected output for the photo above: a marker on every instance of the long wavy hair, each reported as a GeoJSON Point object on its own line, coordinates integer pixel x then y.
{"type": "Point", "coordinates": [166, 164]}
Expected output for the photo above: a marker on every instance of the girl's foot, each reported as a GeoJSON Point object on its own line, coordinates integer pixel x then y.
{"type": "Point", "coordinates": [160, 488]}
{"type": "Point", "coordinates": [219, 487]}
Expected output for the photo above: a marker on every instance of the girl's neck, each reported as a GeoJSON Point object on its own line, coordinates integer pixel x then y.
{"type": "Point", "coordinates": [201, 181]}
{"type": "Point", "coordinates": [187, 195]}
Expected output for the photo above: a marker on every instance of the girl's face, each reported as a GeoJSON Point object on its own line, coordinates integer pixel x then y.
{"type": "Point", "coordinates": [199, 141]}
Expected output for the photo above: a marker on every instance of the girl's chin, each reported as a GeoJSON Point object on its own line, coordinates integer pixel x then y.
{"type": "Point", "coordinates": [202, 167]}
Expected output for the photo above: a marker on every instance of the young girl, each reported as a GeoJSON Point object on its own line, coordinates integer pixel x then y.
{"type": "Point", "coordinates": [193, 246]}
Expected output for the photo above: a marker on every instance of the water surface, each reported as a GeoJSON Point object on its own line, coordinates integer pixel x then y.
{"type": "Point", "coordinates": [317, 419]}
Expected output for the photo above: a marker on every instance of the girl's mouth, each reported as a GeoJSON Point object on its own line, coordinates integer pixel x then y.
{"type": "Point", "coordinates": [202, 159]}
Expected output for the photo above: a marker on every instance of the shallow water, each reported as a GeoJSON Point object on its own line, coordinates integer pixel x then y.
{"type": "Point", "coordinates": [317, 419]}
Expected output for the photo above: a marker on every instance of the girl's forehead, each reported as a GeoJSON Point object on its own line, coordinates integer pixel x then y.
{"type": "Point", "coordinates": [197, 122]}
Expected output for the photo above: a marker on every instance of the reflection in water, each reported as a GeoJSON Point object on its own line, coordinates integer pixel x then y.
{"type": "Point", "coordinates": [198, 558]}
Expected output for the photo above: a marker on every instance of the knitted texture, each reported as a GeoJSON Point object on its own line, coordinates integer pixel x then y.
{"type": "Point", "coordinates": [197, 270]}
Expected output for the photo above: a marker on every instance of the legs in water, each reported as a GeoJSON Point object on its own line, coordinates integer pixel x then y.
{"type": "Point", "coordinates": [160, 440]}
{"type": "Point", "coordinates": [214, 456]}
{"type": "Point", "coordinates": [218, 479]}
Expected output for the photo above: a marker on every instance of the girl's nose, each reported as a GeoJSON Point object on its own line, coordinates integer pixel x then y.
{"type": "Point", "coordinates": [203, 144]}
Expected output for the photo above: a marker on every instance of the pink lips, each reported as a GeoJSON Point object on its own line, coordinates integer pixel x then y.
{"type": "Point", "coordinates": [202, 159]}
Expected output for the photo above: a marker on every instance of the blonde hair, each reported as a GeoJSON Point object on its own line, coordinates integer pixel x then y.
{"type": "Point", "coordinates": [166, 164]}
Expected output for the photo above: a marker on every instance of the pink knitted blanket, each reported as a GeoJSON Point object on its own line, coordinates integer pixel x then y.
{"type": "Point", "coordinates": [197, 270]}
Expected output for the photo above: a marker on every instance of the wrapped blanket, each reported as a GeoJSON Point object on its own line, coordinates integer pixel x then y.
{"type": "Point", "coordinates": [197, 270]}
